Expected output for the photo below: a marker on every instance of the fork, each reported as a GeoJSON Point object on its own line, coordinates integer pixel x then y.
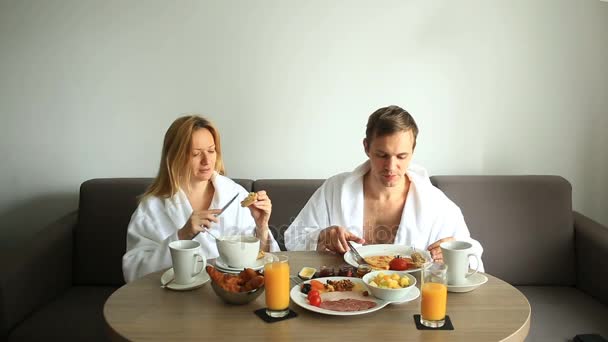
{"type": "Point", "coordinates": [296, 280]}
{"type": "Point", "coordinates": [358, 256]}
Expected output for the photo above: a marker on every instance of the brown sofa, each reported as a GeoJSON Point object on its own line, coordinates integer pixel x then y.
{"type": "Point", "coordinates": [55, 287]}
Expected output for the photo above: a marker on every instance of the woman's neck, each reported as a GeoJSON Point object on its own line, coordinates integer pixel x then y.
{"type": "Point", "coordinates": [200, 195]}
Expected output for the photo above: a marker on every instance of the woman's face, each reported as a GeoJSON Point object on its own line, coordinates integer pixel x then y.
{"type": "Point", "coordinates": [203, 155]}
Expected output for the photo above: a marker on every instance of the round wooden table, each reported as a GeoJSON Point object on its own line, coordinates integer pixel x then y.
{"type": "Point", "coordinates": [143, 311]}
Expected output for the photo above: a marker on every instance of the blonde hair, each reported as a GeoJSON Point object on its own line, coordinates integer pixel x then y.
{"type": "Point", "coordinates": [175, 170]}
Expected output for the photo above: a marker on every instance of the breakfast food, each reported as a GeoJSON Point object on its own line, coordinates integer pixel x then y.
{"type": "Point", "coordinates": [394, 281]}
{"type": "Point", "coordinates": [380, 262]}
{"type": "Point", "coordinates": [337, 295]}
{"type": "Point", "coordinates": [261, 254]}
{"type": "Point", "coordinates": [245, 281]}
{"type": "Point", "coordinates": [339, 285]}
{"type": "Point", "coordinates": [386, 262]}
{"type": "Point", "coordinates": [418, 260]}
{"type": "Point", "coordinates": [346, 271]}
{"type": "Point", "coordinates": [329, 286]}
{"type": "Point", "coordinates": [399, 263]}
{"type": "Point", "coordinates": [348, 304]}
{"type": "Point", "coordinates": [307, 272]}
{"type": "Point", "coordinates": [249, 200]}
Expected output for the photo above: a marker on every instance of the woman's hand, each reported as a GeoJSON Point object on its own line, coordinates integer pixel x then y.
{"type": "Point", "coordinates": [198, 222]}
{"type": "Point", "coordinates": [261, 209]}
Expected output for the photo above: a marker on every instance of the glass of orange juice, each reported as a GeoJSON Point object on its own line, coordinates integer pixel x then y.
{"type": "Point", "coordinates": [276, 281]}
{"type": "Point", "coordinates": [434, 295]}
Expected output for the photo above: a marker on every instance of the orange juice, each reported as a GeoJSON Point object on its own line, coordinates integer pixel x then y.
{"type": "Point", "coordinates": [434, 300]}
{"type": "Point", "coordinates": [276, 281]}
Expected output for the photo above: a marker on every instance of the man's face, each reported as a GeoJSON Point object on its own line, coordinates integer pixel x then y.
{"type": "Point", "coordinates": [390, 156]}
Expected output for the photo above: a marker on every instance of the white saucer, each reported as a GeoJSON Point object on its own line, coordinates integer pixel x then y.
{"type": "Point", "coordinates": [471, 283]}
{"type": "Point", "coordinates": [199, 281]}
{"type": "Point", "coordinates": [257, 265]}
{"type": "Point", "coordinates": [410, 296]}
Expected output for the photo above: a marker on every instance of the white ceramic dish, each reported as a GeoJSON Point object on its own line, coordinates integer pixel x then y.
{"type": "Point", "coordinates": [199, 281]}
{"type": "Point", "coordinates": [472, 282]}
{"type": "Point", "coordinates": [301, 299]}
{"type": "Point", "coordinates": [238, 251]}
{"type": "Point", "coordinates": [389, 294]}
{"type": "Point", "coordinates": [385, 249]}
{"type": "Point", "coordinates": [410, 296]}
{"type": "Point", "coordinates": [257, 265]}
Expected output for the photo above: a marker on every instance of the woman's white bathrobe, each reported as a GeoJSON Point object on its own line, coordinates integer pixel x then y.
{"type": "Point", "coordinates": [155, 223]}
{"type": "Point", "coordinates": [428, 215]}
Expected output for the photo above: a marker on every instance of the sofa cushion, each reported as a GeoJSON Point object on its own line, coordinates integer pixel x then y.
{"type": "Point", "coordinates": [559, 313]}
{"type": "Point", "coordinates": [77, 315]}
{"type": "Point", "coordinates": [288, 197]}
{"type": "Point", "coordinates": [524, 223]}
{"type": "Point", "coordinates": [105, 210]}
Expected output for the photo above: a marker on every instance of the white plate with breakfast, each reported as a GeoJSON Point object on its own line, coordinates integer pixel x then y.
{"type": "Point", "coordinates": [340, 302]}
{"type": "Point", "coordinates": [380, 257]}
{"type": "Point", "coordinates": [342, 296]}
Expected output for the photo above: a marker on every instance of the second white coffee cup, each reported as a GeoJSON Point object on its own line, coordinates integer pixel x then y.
{"type": "Point", "coordinates": [456, 256]}
{"type": "Point", "coordinates": [238, 251]}
{"type": "Point", "coordinates": [185, 255]}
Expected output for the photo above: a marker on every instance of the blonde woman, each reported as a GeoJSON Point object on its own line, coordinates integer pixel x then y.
{"type": "Point", "coordinates": [183, 201]}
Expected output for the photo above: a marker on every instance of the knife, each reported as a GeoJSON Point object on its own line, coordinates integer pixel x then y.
{"type": "Point", "coordinates": [227, 204]}
{"type": "Point", "coordinates": [218, 214]}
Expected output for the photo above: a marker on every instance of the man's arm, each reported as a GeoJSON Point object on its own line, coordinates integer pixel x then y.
{"type": "Point", "coordinates": [452, 226]}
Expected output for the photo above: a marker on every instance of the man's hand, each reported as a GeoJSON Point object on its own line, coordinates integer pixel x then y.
{"type": "Point", "coordinates": [436, 250]}
{"type": "Point", "coordinates": [334, 238]}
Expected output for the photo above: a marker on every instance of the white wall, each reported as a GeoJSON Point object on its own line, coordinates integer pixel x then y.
{"type": "Point", "coordinates": [88, 88]}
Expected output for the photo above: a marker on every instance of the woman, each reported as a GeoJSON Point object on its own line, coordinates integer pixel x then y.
{"type": "Point", "coordinates": [183, 201]}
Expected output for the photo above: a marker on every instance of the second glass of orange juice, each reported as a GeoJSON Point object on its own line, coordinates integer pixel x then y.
{"type": "Point", "coordinates": [434, 295]}
{"type": "Point", "coordinates": [276, 281]}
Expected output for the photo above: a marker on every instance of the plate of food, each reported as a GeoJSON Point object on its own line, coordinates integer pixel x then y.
{"type": "Point", "coordinates": [390, 257]}
{"type": "Point", "coordinates": [339, 296]}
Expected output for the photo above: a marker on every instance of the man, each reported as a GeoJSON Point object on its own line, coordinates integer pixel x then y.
{"type": "Point", "coordinates": [384, 200]}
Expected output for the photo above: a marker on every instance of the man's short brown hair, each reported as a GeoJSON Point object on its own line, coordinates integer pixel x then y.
{"type": "Point", "coordinates": [389, 120]}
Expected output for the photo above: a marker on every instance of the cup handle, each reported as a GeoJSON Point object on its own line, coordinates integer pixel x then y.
{"type": "Point", "coordinates": [196, 262]}
{"type": "Point", "coordinates": [476, 268]}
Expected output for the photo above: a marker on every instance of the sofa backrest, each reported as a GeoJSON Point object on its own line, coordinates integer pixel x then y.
{"type": "Point", "coordinates": [524, 224]}
{"type": "Point", "coordinates": [288, 197]}
{"type": "Point", "coordinates": [104, 213]}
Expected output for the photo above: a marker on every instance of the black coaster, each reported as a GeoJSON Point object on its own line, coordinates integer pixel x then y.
{"type": "Point", "coordinates": [588, 338]}
{"type": "Point", "coordinates": [447, 326]}
{"type": "Point", "coordinates": [262, 314]}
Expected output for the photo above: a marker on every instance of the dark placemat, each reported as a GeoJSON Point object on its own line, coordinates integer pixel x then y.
{"type": "Point", "coordinates": [588, 338]}
{"type": "Point", "coordinates": [447, 326]}
{"type": "Point", "coordinates": [262, 314]}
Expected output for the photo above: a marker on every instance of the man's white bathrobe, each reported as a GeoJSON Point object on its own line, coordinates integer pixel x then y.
{"type": "Point", "coordinates": [428, 215]}
{"type": "Point", "coordinates": [155, 223]}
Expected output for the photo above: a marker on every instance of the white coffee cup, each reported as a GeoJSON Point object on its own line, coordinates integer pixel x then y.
{"type": "Point", "coordinates": [456, 256]}
{"type": "Point", "coordinates": [185, 255]}
{"type": "Point", "coordinates": [238, 251]}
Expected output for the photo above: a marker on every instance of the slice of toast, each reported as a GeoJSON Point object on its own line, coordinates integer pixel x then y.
{"type": "Point", "coordinates": [249, 200]}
